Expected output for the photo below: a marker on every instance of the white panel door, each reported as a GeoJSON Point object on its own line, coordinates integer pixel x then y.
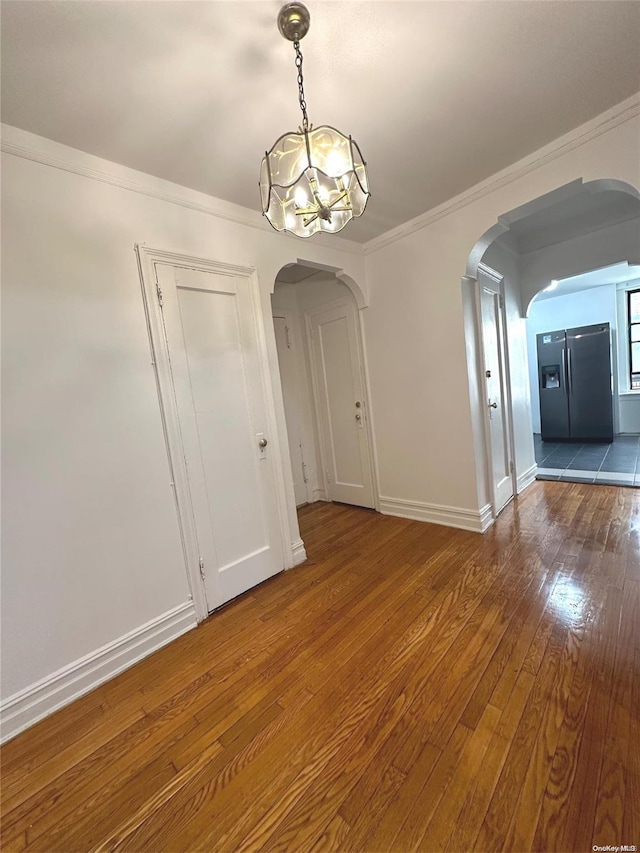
{"type": "Point", "coordinates": [339, 393]}
{"type": "Point", "coordinates": [291, 399]}
{"type": "Point", "coordinates": [496, 397]}
{"type": "Point", "coordinates": [211, 332]}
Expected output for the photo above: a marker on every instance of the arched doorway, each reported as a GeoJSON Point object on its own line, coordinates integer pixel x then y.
{"type": "Point", "coordinates": [574, 229]}
{"type": "Point", "coordinates": [322, 363]}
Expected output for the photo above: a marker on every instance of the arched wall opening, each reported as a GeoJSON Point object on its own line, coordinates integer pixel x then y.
{"type": "Point", "coordinates": [323, 393]}
{"type": "Point", "coordinates": [575, 229]}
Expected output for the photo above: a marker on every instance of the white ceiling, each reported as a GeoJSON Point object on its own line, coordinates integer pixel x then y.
{"type": "Point", "coordinates": [293, 273]}
{"type": "Point", "coordinates": [613, 274]}
{"type": "Point", "coordinates": [580, 213]}
{"type": "Point", "coordinates": [439, 95]}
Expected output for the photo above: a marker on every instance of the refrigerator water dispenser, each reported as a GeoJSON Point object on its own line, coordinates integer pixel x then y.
{"type": "Point", "coordinates": [550, 376]}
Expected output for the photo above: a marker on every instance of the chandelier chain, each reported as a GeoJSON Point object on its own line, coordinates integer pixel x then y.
{"type": "Point", "coordinates": [303, 103]}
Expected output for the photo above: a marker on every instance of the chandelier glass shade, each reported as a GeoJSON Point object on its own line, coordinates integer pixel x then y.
{"type": "Point", "coordinates": [312, 179]}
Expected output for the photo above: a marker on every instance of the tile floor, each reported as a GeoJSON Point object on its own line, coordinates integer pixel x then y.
{"type": "Point", "coordinates": [616, 464]}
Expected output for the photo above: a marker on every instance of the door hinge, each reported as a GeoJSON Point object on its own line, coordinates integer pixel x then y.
{"type": "Point", "coordinates": [328, 475]}
{"type": "Point", "coordinates": [304, 473]}
{"type": "Point", "coordinates": [201, 566]}
{"type": "Point", "coordinates": [287, 335]}
{"type": "Point", "coordinates": [159, 292]}
{"type": "Point", "coordinates": [511, 466]}
{"type": "Point", "coordinates": [501, 300]}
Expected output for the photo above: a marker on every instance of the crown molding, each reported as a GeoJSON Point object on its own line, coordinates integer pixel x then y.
{"type": "Point", "coordinates": [490, 273]}
{"type": "Point", "coordinates": [621, 113]}
{"type": "Point", "coordinates": [39, 149]}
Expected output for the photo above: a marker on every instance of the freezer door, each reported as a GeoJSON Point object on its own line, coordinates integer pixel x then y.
{"type": "Point", "coordinates": [589, 382]}
{"type": "Point", "coordinates": [554, 403]}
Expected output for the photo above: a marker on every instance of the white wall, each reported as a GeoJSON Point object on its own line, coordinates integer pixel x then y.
{"type": "Point", "coordinates": [91, 547]}
{"type": "Point", "coordinates": [594, 305]}
{"type": "Point", "coordinates": [416, 323]}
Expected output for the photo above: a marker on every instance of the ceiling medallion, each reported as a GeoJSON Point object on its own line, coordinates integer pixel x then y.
{"type": "Point", "coordinates": [314, 179]}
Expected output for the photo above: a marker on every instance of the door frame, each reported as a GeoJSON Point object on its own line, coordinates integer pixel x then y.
{"type": "Point", "coordinates": [287, 316]}
{"type": "Point", "coordinates": [498, 280]}
{"type": "Point", "coordinates": [308, 319]}
{"type": "Point", "coordinates": [161, 360]}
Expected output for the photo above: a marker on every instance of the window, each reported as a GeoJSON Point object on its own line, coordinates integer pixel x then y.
{"type": "Point", "coordinates": [633, 313]}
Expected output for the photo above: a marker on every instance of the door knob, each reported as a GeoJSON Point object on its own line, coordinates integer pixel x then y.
{"type": "Point", "coordinates": [493, 405]}
{"type": "Point", "coordinates": [263, 442]}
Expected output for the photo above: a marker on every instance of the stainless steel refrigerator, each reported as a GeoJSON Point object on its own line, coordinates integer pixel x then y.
{"type": "Point", "coordinates": [574, 377]}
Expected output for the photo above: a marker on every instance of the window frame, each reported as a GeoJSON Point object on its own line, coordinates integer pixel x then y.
{"type": "Point", "coordinates": [630, 326]}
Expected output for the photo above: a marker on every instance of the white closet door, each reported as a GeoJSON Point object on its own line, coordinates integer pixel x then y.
{"type": "Point", "coordinates": [339, 392]}
{"type": "Point", "coordinates": [496, 397]}
{"type": "Point", "coordinates": [210, 325]}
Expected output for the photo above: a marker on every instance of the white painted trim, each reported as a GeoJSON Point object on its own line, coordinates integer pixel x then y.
{"type": "Point", "coordinates": [369, 424]}
{"type": "Point", "coordinates": [496, 277]}
{"type": "Point", "coordinates": [41, 699]}
{"type": "Point", "coordinates": [621, 113]}
{"type": "Point", "coordinates": [39, 149]}
{"type": "Point", "coordinates": [298, 552]}
{"type": "Point", "coordinates": [481, 368]}
{"type": "Point", "coordinates": [160, 359]}
{"type": "Point", "coordinates": [487, 517]}
{"type": "Point", "coordinates": [262, 316]}
{"type": "Point", "coordinates": [465, 519]}
{"type": "Point", "coordinates": [526, 478]}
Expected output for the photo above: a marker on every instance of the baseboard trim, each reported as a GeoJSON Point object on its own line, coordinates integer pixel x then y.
{"type": "Point", "coordinates": [449, 516]}
{"type": "Point", "coordinates": [525, 479]}
{"type": "Point", "coordinates": [486, 517]}
{"type": "Point", "coordinates": [41, 699]}
{"type": "Point", "coordinates": [298, 552]}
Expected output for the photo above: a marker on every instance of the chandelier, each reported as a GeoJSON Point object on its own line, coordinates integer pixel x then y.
{"type": "Point", "coordinates": [314, 179]}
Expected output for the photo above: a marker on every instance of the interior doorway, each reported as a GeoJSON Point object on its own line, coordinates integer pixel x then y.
{"type": "Point", "coordinates": [536, 250]}
{"type": "Point", "coordinates": [582, 322]}
{"type": "Point", "coordinates": [323, 376]}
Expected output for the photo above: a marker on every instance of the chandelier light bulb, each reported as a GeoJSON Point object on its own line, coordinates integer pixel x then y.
{"type": "Point", "coordinates": [301, 197]}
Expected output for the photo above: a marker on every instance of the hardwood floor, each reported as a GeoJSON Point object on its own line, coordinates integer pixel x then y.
{"type": "Point", "coordinates": [409, 687]}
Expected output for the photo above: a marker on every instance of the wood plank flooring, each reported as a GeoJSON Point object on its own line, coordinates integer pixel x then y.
{"type": "Point", "coordinates": [410, 687]}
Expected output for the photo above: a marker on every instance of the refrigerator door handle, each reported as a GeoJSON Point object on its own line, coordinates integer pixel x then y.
{"type": "Point", "coordinates": [564, 372]}
{"type": "Point", "coordinates": [569, 370]}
